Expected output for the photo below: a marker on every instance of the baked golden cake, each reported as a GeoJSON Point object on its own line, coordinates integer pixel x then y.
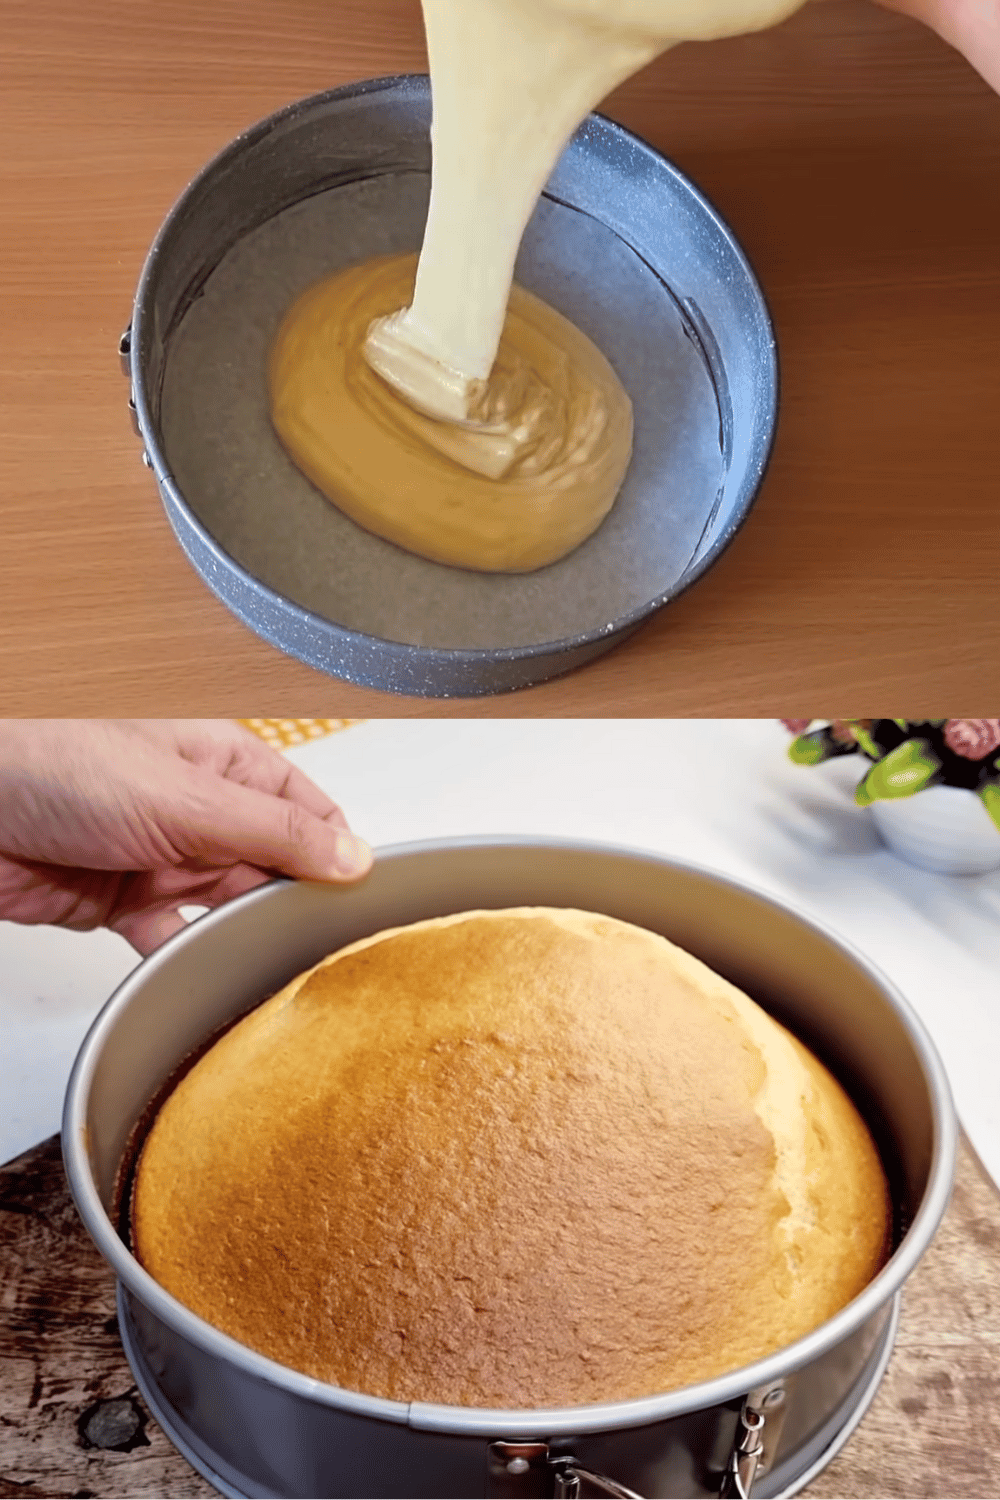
{"type": "Point", "coordinates": [518, 1158]}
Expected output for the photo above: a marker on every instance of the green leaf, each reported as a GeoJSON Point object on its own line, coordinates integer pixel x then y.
{"type": "Point", "coordinates": [907, 769]}
{"type": "Point", "coordinates": [864, 739]}
{"type": "Point", "coordinates": [862, 794]}
{"type": "Point", "coordinates": [809, 749]}
{"type": "Point", "coordinates": [990, 794]}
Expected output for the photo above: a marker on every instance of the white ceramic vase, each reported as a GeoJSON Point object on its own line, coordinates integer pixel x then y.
{"type": "Point", "coordinates": [945, 828]}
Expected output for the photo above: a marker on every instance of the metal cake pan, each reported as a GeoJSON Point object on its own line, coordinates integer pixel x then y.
{"type": "Point", "coordinates": [621, 242]}
{"type": "Point", "coordinates": [256, 1428]}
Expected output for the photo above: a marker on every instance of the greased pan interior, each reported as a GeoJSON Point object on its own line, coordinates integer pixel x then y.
{"type": "Point", "coordinates": [621, 243]}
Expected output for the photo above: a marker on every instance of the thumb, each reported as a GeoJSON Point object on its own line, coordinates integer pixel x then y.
{"type": "Point", "coordinates": [232, 823]}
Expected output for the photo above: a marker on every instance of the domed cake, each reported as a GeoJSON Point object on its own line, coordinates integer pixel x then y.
{"type": "Point", "coordinates": [519, 1158]}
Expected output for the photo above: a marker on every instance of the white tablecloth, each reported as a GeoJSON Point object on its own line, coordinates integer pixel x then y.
{"type": "Point", "coordinates": [719, 792]}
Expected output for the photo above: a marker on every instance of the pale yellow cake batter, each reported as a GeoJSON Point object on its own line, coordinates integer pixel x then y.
{"type": "Point", "coordinates": [413, 479]}
{"type": "Point", "coordinates": [487, 452]}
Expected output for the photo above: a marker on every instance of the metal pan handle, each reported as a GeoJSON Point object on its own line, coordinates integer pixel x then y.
{"type": "Point", "coordinates": [755, 1445]}
{"type": "Point", "coordinates": [569, 1476]}
{"type": "Point", "coordinates": [745, 1457]}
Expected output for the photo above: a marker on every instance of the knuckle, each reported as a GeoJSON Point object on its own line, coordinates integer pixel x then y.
{"type": "Point", "coordinates": [298, 826]}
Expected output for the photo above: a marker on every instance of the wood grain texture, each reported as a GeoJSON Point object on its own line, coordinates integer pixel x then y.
{"type": "Point", "coordinates": [856, 157]}
{"type": "Point", "coordinates": [932, 1431]}
{"type": "Point", "coordinates": [60, 1354]}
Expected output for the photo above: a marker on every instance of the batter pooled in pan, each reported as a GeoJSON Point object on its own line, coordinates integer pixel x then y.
{"type": "Point", "coordinates": [511, 491]}
{"type": "Point", "coordinates": [470, 424]}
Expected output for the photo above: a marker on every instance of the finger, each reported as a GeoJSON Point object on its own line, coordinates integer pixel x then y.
{"type": "Point", "coordinates": [236, 881]}
{"type": "Point", "coordinates": [147, 930]}
{"type": "Point", "coordinates": [148, 911]}
{"type": "Point", "coordinates": [184, 886]}
{"type": "Point", "coordinates": [239, 755]}
{"type": "Point", "coordinates": [970, 26]}
{"type": "Point", "coordinates": [32, 892]}
{"type": "Point", "coordinates": [223, 822]}
{"type": "Point", "coordinates": [281, 779]}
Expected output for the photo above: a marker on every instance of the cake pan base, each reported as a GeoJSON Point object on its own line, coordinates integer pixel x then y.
{"type": "Point", "coordinates": [795, 1472]}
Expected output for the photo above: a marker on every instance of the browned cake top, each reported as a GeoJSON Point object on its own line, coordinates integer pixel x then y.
{"type": "Point", "coordinates": [519, 1158]}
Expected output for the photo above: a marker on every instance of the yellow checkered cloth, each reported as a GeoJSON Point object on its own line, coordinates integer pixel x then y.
{"type": "Point", "coordinates": [280, 734]}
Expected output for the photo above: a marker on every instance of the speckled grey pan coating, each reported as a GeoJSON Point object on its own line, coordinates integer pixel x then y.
{"type": "Point", "coordinates": [679, 316]}
{"type": "Point", "coordinates": [240, 482]}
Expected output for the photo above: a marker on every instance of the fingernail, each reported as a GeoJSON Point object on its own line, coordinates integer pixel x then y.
{"type": "Point", "coordinates": [353, 855]}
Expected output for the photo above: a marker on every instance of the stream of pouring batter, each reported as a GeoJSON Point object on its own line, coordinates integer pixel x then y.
{"type": "Point", "coordinates": [464, 421]}
{"type": "Point", "coordinates": [511, 80]}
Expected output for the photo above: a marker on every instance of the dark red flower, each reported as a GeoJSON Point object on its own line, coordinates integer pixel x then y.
{"type": "Point", "coordinates": [972, 738]}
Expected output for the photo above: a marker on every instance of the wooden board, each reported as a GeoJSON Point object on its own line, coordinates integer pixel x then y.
{"type": "Point", "coordinates": [854, 154]}
{"type": "Point", "coordinates": [65, 1388]}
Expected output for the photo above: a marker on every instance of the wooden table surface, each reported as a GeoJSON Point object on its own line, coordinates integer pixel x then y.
{"type": "Point", "coordinates": [73, 1424]}
{"type": "Point", "coordinates": [856, 157]}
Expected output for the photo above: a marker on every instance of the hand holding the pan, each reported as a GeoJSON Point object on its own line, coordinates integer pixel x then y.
{"type": "Point", "coordinates": [119, 823]}
{"type": "Point", "coordinates": [972, 27]}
